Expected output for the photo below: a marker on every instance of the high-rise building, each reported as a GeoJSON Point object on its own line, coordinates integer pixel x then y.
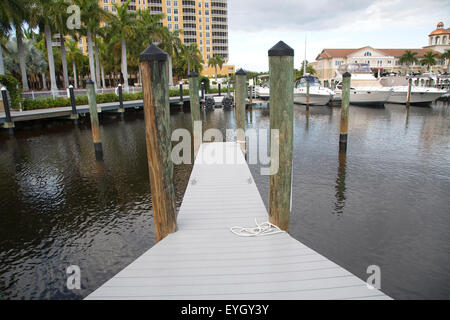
{"type": "Point", "coordinates": [204, 22]}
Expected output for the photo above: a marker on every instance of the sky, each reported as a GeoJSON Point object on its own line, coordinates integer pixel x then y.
{"type": "Point", "coordinates": [254, 26]}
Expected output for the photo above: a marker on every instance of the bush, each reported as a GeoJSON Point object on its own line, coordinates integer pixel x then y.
{"type": "Point", "coordinates": [14, 90]}
{"type": "Point", "coordinates": [205, 80]}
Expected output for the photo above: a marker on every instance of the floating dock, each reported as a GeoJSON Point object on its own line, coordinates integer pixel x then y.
{"type": "Point", "coordinates": [204, 260]}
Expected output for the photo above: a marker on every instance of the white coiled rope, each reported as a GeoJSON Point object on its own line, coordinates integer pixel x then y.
{"type": "Point", "coordinates": [261, 229]}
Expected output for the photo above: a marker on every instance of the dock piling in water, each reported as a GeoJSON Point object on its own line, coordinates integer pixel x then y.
{"type": "Point", "coordinates": [94, 120]}
{"type": "Point", "coordinates": [155, 87]}
{"type": "Point", "coordinates": [346, 80]}
{"type": "Point", "coordinates": [121, 108]}
{"type": "Point", "coordinates": [74, 114]}
{"type": "Point", "coordinates": [195, 108]}
{"type": "Point", "coordinates": [281, 77]}
{"type": "Point", "coordinates": [307, 94]}
{"type": "Point", "coordinates": [181, 94]}
{"type": "Point", "coordinates": [220, 89]}
{"type": "Point", "coordinates": [408, 99]}
{"type": "Point", "coordinates": [8, 122]}
{"type": "Point", "coordinates": [241, 95]}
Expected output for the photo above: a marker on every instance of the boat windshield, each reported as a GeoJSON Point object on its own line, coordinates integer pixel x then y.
{"type": "Point", "coordinates": [355, 68]}
{"type": "Point", "coordinates": [313, 82]}
{"type": "Point", "coordinates": [265, 84]}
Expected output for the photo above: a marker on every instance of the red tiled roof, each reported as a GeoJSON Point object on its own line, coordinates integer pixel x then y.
{"type": "Point", "coordinates": [338, 53]}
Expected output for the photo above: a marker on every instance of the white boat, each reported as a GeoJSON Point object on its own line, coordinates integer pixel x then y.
{"type": "Point", "coordinates": [365, 89]}
{"type": "Point", "coordinates": [419, 94]}
{"type": "Point", "coordinates": [318, 95]}
{"type": "Point", "coordinates": [263, 91]}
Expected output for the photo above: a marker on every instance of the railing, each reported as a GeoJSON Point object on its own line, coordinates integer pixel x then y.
{"type": "Point", "coordinates": [78, 92]}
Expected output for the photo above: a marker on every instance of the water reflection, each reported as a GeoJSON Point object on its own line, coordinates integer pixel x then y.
{"type": "Point", "coordinates": [340, 184]}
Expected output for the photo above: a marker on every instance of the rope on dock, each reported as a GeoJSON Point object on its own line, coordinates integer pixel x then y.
{"type": "Point", "coordinates": [261, 229]}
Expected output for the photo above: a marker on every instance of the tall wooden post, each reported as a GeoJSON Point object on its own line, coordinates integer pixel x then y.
{"type": "Point", "coordinates": [195, 109]}
{"type": "Point", "coordinates": [181, 94]}
{"type": "Point", "coordinates": [74, 114]}
{"type": "Point", "coordinates": [251, 95]}
{"type": "Point", "coordinates": [155, 86]}
{"type": "Point", "coordinates": [8, 122]}
{"type": "Point", "coordinates": [281, 76]}
{"type": "Point", "coordinates": [408, 98]}
{"type": "Point", "coordinates": [241, 95]}
{"type": "Point", "coordinates": [94, 119]}
{"type": "Point", "coordinates": [346, 80]}
{"type": "Point", "coordinates": [307, 94]}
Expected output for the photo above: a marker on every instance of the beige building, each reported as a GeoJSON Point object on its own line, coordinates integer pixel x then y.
{"type": "Point", "coordinates": [384, 60]}
{"type": "Point", "coordinates": [204, 22]}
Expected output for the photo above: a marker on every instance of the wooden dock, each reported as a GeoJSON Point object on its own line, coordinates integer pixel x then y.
{"type": "Point", "coordinates": [204, 260]}
{"type": "Point", "coordinates": [48, 113]}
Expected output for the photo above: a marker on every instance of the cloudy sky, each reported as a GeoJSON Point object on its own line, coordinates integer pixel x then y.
{"type": "Point", "coordinates": [256, 25]}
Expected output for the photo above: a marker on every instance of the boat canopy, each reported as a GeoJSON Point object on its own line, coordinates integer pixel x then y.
{"type": "Point", "coordinates": [354, 68]}
{"type": "Point", "coordinates": [313, 82]}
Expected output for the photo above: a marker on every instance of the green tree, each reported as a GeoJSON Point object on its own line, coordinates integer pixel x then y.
{"type": "Point", "coordinates": [190, 58]}
{"type": "Point", "coordinates": [91, 16]}
{"type": "Point", "coordinates": [216, 61]}
{"type": "Point", "coordinates": [123, 27]}
{"type": "Point", "coordinates": [74, 55]}
{"type": "Point", "coordinates": [171, 43]}
{"type": "Point", "coordinates": [429, 59]}
{"type": "Point", "coordinates": [446, 58]}
{"type": "Point", "coordinates": [408, 58]}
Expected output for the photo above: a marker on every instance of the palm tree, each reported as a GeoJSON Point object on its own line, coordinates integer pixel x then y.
{"type": "Point", "coordinates": [429, 59]}
{"type": "Point", "coordinates": [149, 29]}
{"type": "Point", "coordinates": [408, 58]}
{"type": "Point", "coordinates": [446, 58]}
{"type": "Point", "coordinates": [191, 57]}
{"type": "Point", "coordinates": [59, 16]}
{"type": "Point", "coordinates": [18, 12]}
{"type": "Point", "coordinates": [123, 27]}
{"type": "Point", "coordinates": [214, 62]}
{"type": "Point", "coordinates": [91, 15]}
{"type": "Point", "coordinates": [171, 43]}
{"type": "Point", "coordinates": [42, 15]}
{"type": "Point", "coordinates": [74, 55]}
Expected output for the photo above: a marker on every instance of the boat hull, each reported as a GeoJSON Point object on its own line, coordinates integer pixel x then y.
{"type": "Point", "coordinates": [314, 99]}
{"type": "Point", "coordinates": [416, 97]}
{"type": "Point", "coordinates": [368, 98]}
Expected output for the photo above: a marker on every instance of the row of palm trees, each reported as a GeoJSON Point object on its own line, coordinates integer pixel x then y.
{"type": "Point", "coordinates": [429, 59]}
{"type": "Point", "coordinates": [106, 34]}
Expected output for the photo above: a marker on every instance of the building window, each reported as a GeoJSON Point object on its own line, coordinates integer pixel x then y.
{"type": "Point", "coordinates": [168, 3]}
{"type": "Point", "coordinates": [200, 19]}
{"type": "Point", "coordinates": [169, 26]}
{"type": "Point", "coordinates": [176, 26]}
{"type": "Point", "coordinates": [367, 54]}
{"type": "Point", "coordinates": [175, 11]}
{"type": "Point", "coordinates": [169, 18]}
{"type": "Point", "coordinates": [208, 42]}
{"type": "Point", "coordinates": [199, 4]}
{"type": "Point", "coordinates": [207, 12]}
{"type": "Point", "coordinates": [208, 56]}
{"type": "Point", "coordinates": [175, 18]}
{"type": "Point", "coordinates": [175, 3]}
{"type": "Point", "coordinates": [201, 42]}
{"type": "Point", "coordinates": [113, 9]}
{"type": "Point", "coordinates": [206, 5]}
{"type": "Point", "coordinates": [207, 19]}
{"type": "Point", "coordinates": [208, 49]}
{"type": "Point", "coordinates": [105, 8]}
{"type": "Point", "coordinates": [199, 12]}
{"type": "Point", "coordinates": [200, 27]}
{"type": "Point", "coordinates": [207, 34]}
{"type": "Point", "coordinates": [169, 10]}
{"type": "Point", "coordinates": [207, 27]}
{"type": "Point", "coordinates": [201, 34]}
{"type": "Point", "coordinates": [389, 62]}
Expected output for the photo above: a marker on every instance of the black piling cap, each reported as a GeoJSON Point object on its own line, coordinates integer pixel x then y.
{"type": "Point", "coordinates": [347, 75]}
{"type": "Point", "coordinates": [241, 72]}
{"type": "Point", "coordinates": [193, 74]}
{"type": "Point", "coordinates": [153, 53]}
{"type": "Point", "coordinates": [89, 81]}
{"type": "Point", "coordinates": [281, 49]}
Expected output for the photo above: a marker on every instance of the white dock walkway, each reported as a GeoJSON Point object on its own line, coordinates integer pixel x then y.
{"type": "Point", "coordinates": [204, 260]}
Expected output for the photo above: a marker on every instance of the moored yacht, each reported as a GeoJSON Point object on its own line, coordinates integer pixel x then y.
{"type": "Point", "coordinates": [419, 95]}
{"type": "Point", "coordinates": [318, 95]}
{"type": "Point", "coordinates": [365, 89]}
{"type": "Point", "coordinates": [263, 91]}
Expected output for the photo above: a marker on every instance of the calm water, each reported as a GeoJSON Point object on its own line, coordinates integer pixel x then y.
{"type": "Point", "coordinates": [386, 203]}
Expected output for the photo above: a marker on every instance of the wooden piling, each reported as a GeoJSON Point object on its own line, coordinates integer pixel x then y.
{"type": "Point", "coordinates": [155, 72]}
{"type": "Point", "coordinates": [181, 94]}
{"type": "Point", "coordinates": [195, 108]}
{"type": "Point", "coordinates": [251, 95]}
{"type": "Point", "coordinates": [220, 89]}
{"type": "Point", "coordinates": [240, 94]}
{"type": "Point", "coordinates": [74, 114]}
{"type": "Point", "coordinates": [94, 119]}
{"type": "Point", "coordinates": [8, 121]}
{"type": "Point", "coordinates": [346, 81]}
{"type": "Point", "coordinates": [281, 76]}
{"type": "Point", "coordinates": [408, 98]}
{"type": "Point", "coordinates": [120, 92]}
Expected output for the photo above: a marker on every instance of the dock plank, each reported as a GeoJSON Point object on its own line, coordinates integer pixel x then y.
{"type": "Point", "coordinates": [204, 260]}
